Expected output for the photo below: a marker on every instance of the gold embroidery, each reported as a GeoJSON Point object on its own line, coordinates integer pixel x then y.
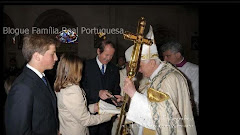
{"type": "Point", "coordinates": [156, 96]}
{"type": "Point", "coordinates": [147, 131]}
{"type": "Point", "coordinates": [148, 56]}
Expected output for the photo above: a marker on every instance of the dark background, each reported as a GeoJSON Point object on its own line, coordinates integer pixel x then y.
{"type": "Point", "coordinates": [219, 38]}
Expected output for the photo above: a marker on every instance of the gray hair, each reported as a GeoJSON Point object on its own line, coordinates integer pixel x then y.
{"type": "Point", "coordinates": [173, 46]}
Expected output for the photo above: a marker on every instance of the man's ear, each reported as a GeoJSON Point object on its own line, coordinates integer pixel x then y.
{"type": "Point", "coordinates": [178, 54]}
{"type": "Point", "coordinates": [36, 56]}
{"type": "Point", "coordinates": [98, 51]}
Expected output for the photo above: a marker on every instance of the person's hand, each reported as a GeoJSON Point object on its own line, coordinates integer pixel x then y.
{"type": "Point", "coordinates": [129, 87]}
{"type": "Point", "coordinates": [104, 94]}
{"type": "Point", "coordinates": [118, 100]}
{"type": "Point", "coordinates": [59, 133]}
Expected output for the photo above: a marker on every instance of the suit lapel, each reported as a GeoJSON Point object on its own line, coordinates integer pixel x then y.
{"type": "Point", "coordinates": [46, 90]}
{"type": "Point", "coordinates": [38, 81]}
{"type": "Point", "coordinates": [52, 96]}
{"type": "Point", "coordinates": [50, 89]}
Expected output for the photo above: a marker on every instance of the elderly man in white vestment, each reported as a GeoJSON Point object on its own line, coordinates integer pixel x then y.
{"type": "Point", "coordinates": [164, 108]}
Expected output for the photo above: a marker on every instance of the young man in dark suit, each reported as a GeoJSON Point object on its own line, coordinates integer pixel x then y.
{"type": "Point", "coordinates": [101, 81]}
{"type": "Point", "coordinates": [31, 103]}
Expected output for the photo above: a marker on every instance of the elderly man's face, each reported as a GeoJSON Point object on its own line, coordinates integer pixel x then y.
{"type": "Point", "coordinates": [146, 68]}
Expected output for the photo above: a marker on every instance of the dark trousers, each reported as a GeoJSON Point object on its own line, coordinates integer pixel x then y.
{"type": "Point", "coordinates": [101, 129]}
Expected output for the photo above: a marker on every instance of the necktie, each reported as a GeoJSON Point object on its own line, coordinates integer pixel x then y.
{"type": "Point", "coordinates": [102, 70]}
{"type": "Point", "coordinates": [44, 80]}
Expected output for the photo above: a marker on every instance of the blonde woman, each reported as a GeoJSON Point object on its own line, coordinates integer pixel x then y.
{"type": "Point", "coordinates": [74, 116]}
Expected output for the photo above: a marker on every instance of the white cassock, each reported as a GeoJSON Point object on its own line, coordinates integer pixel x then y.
{"type": "Point", "coordinates": [191, 71]}
{"type": "Point", "coordinates": [171, 116]}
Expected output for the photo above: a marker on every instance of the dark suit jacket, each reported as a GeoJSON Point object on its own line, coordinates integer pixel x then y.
{"type": "Point", "coordinates": [31, 107]}
{"type": "Point", "coordinates": [93, 80]}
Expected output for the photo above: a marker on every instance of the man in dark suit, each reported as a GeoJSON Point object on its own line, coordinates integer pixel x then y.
{"type": "Point", "coordinates": [101, 81]}
{"type": "Point", "coordinates": [31, 103]}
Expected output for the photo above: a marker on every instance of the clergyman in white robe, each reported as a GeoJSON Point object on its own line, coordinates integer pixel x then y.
{"type": "Point", "coordinates": [171, 116]}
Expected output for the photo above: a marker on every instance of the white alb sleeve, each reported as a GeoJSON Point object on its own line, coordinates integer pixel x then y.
{"type": "Point", "coordinates": [140, 112]}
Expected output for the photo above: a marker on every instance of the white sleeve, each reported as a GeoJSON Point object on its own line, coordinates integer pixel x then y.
{"type": "Point", "coordinates": [140, 112]}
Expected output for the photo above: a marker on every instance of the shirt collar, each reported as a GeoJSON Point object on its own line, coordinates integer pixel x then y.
{"type": "Point", "coordinates": [36, 71]}
{"type": "Point", "coordinates": [181, 63]}
{"type": "Point", "coordinates": [100, 64]}
{"type": "Point", "coordinates": [156, 71]}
